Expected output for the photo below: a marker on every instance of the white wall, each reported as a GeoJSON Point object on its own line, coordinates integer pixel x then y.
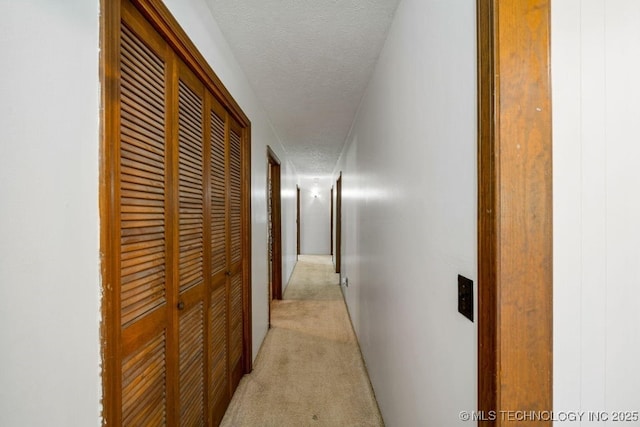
{"type": "Point", "coordinates": [197, 20]}
{"type": "Point", "coordinates": [353, 206]}
{"type": "Point", "coordinates": [315, 216]}
{"type": "Point", "coordinates": [596, 103]}
{"type": "Point", "coordinates": [49, 229]}
{"type": "Point", "coordinates": [409, 215]}
{"type": "Point", "coordinates": [288, 186]}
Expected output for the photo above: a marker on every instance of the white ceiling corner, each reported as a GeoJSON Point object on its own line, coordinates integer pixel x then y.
{"type": "Point", "coordinates": [309, 62]}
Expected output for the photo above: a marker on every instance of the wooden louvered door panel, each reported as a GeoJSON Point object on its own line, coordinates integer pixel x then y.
{"type": "Point", "coordinates": [219, 395]}
{"type": "Point", "coordinates": [143, 361]}
{"type": "Point", "coordinates": [236, 325]}
{"type": "Point", "coordinates": [192, 305]}
{"type": "Point", "coordinates": [172, 196]}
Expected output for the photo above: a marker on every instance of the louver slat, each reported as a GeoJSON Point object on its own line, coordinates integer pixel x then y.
{"type": "Point", "coordinates": [235, 202]}
{"type": "Point", "coordinates": [236, 320]}
{"type": "Point", "coordinates": [144, 384]}
{"type": "Point", "coordinates": [191, 367]}
{"type": "Point", "coordinates": [191, 217]}
{"type": "Point", "coordinates": [218, 185]}
{"type": "Point", "coordinates": [218, 333]}
{"type": "Point", "coordinates": [142, 177]}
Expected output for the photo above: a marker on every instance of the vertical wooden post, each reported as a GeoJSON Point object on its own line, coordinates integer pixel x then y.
{"type": "Point", "coordinates": [514, 212]}
{"type": "Point", "coordinates": [297, 220]}
{"type": "Point", "coordinates": [339, 224]}
{"type": "Point", "coordinates": [276, 224]}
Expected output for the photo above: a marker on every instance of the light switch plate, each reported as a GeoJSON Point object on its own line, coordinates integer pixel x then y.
{"type": "Point", "coordinates": [465, 297]}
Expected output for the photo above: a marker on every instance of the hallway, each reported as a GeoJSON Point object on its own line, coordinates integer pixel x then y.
{"type": "Point", "coordinates": [120, 205]}
{"type": "Point", "coordinates": [309, 370]}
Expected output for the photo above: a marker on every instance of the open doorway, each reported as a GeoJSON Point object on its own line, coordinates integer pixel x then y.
{"type": "Point", "coordinates": [274, 218]}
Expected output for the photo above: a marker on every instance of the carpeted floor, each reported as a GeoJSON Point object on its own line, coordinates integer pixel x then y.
{"type": "Point", "coordinates": [309, 371]}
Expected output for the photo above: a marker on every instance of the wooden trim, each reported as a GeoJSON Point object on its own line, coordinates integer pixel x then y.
{"type": "Point", "coordinates": [272, 156]}
{"type": "Point", "coordinates": [276, 224]}
{"type": "Point", "coordinates": [160, 17]}
{"type": "Point", "coordinates": [487, 206]}
{"type": "Point", "coordinates": [515, 281]}
{"type": "Point", "coordinates": [207, 268]}
{"type": "Point", "coordinates": [109, 125]}
{"type": "Point", "coordinates": [172, 206]}
{"type": "Point", "coordinates": [246, 251]}
{"type": "Point", "coordinates": [331, 230]}
{"type": "Point", "coordinates": [339, 224]}
{"type": "Point", "coordinates": [298, 220]}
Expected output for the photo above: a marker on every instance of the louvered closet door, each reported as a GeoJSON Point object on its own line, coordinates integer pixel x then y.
{"type": "Point", "coordinates": [175, 270]}
{"type": "Point", "coordinates": [192, 305]}
{"type": "Point", "coordinates": [218, 301]}
{"type": "Point", "coordinates": [235, 252]}
{"type": "Point", "coordinates": [142, 286]}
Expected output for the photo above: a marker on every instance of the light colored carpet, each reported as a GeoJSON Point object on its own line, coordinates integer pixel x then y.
{"type": "Point", "coordinates": [313, 279]}
{"type": "Point", "coordinates": [309, 371]}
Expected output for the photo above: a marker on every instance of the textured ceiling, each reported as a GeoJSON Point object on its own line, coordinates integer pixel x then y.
{"type": "Point", "coordinates": [309, 62]}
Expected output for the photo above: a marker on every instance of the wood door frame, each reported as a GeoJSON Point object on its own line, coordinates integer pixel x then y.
{"type": "Point", "coordinates": [331, 230]}
{"type": "Point", "coordinates": [297, 221]}
{"type": "Point", "coordinates": [166, 25]}
{"type": "Point", "coordinates": [515, 237]}
{"type": "Point", "coordinates": [338, 262]}
{"type": "Point", "coordinates": [276, 224]}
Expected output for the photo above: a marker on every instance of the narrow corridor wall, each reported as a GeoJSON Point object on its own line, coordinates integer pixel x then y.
{"type": "Point", "coordinates": [49, 223]}
{"type": "Point", "coordinates": [409, 215]}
